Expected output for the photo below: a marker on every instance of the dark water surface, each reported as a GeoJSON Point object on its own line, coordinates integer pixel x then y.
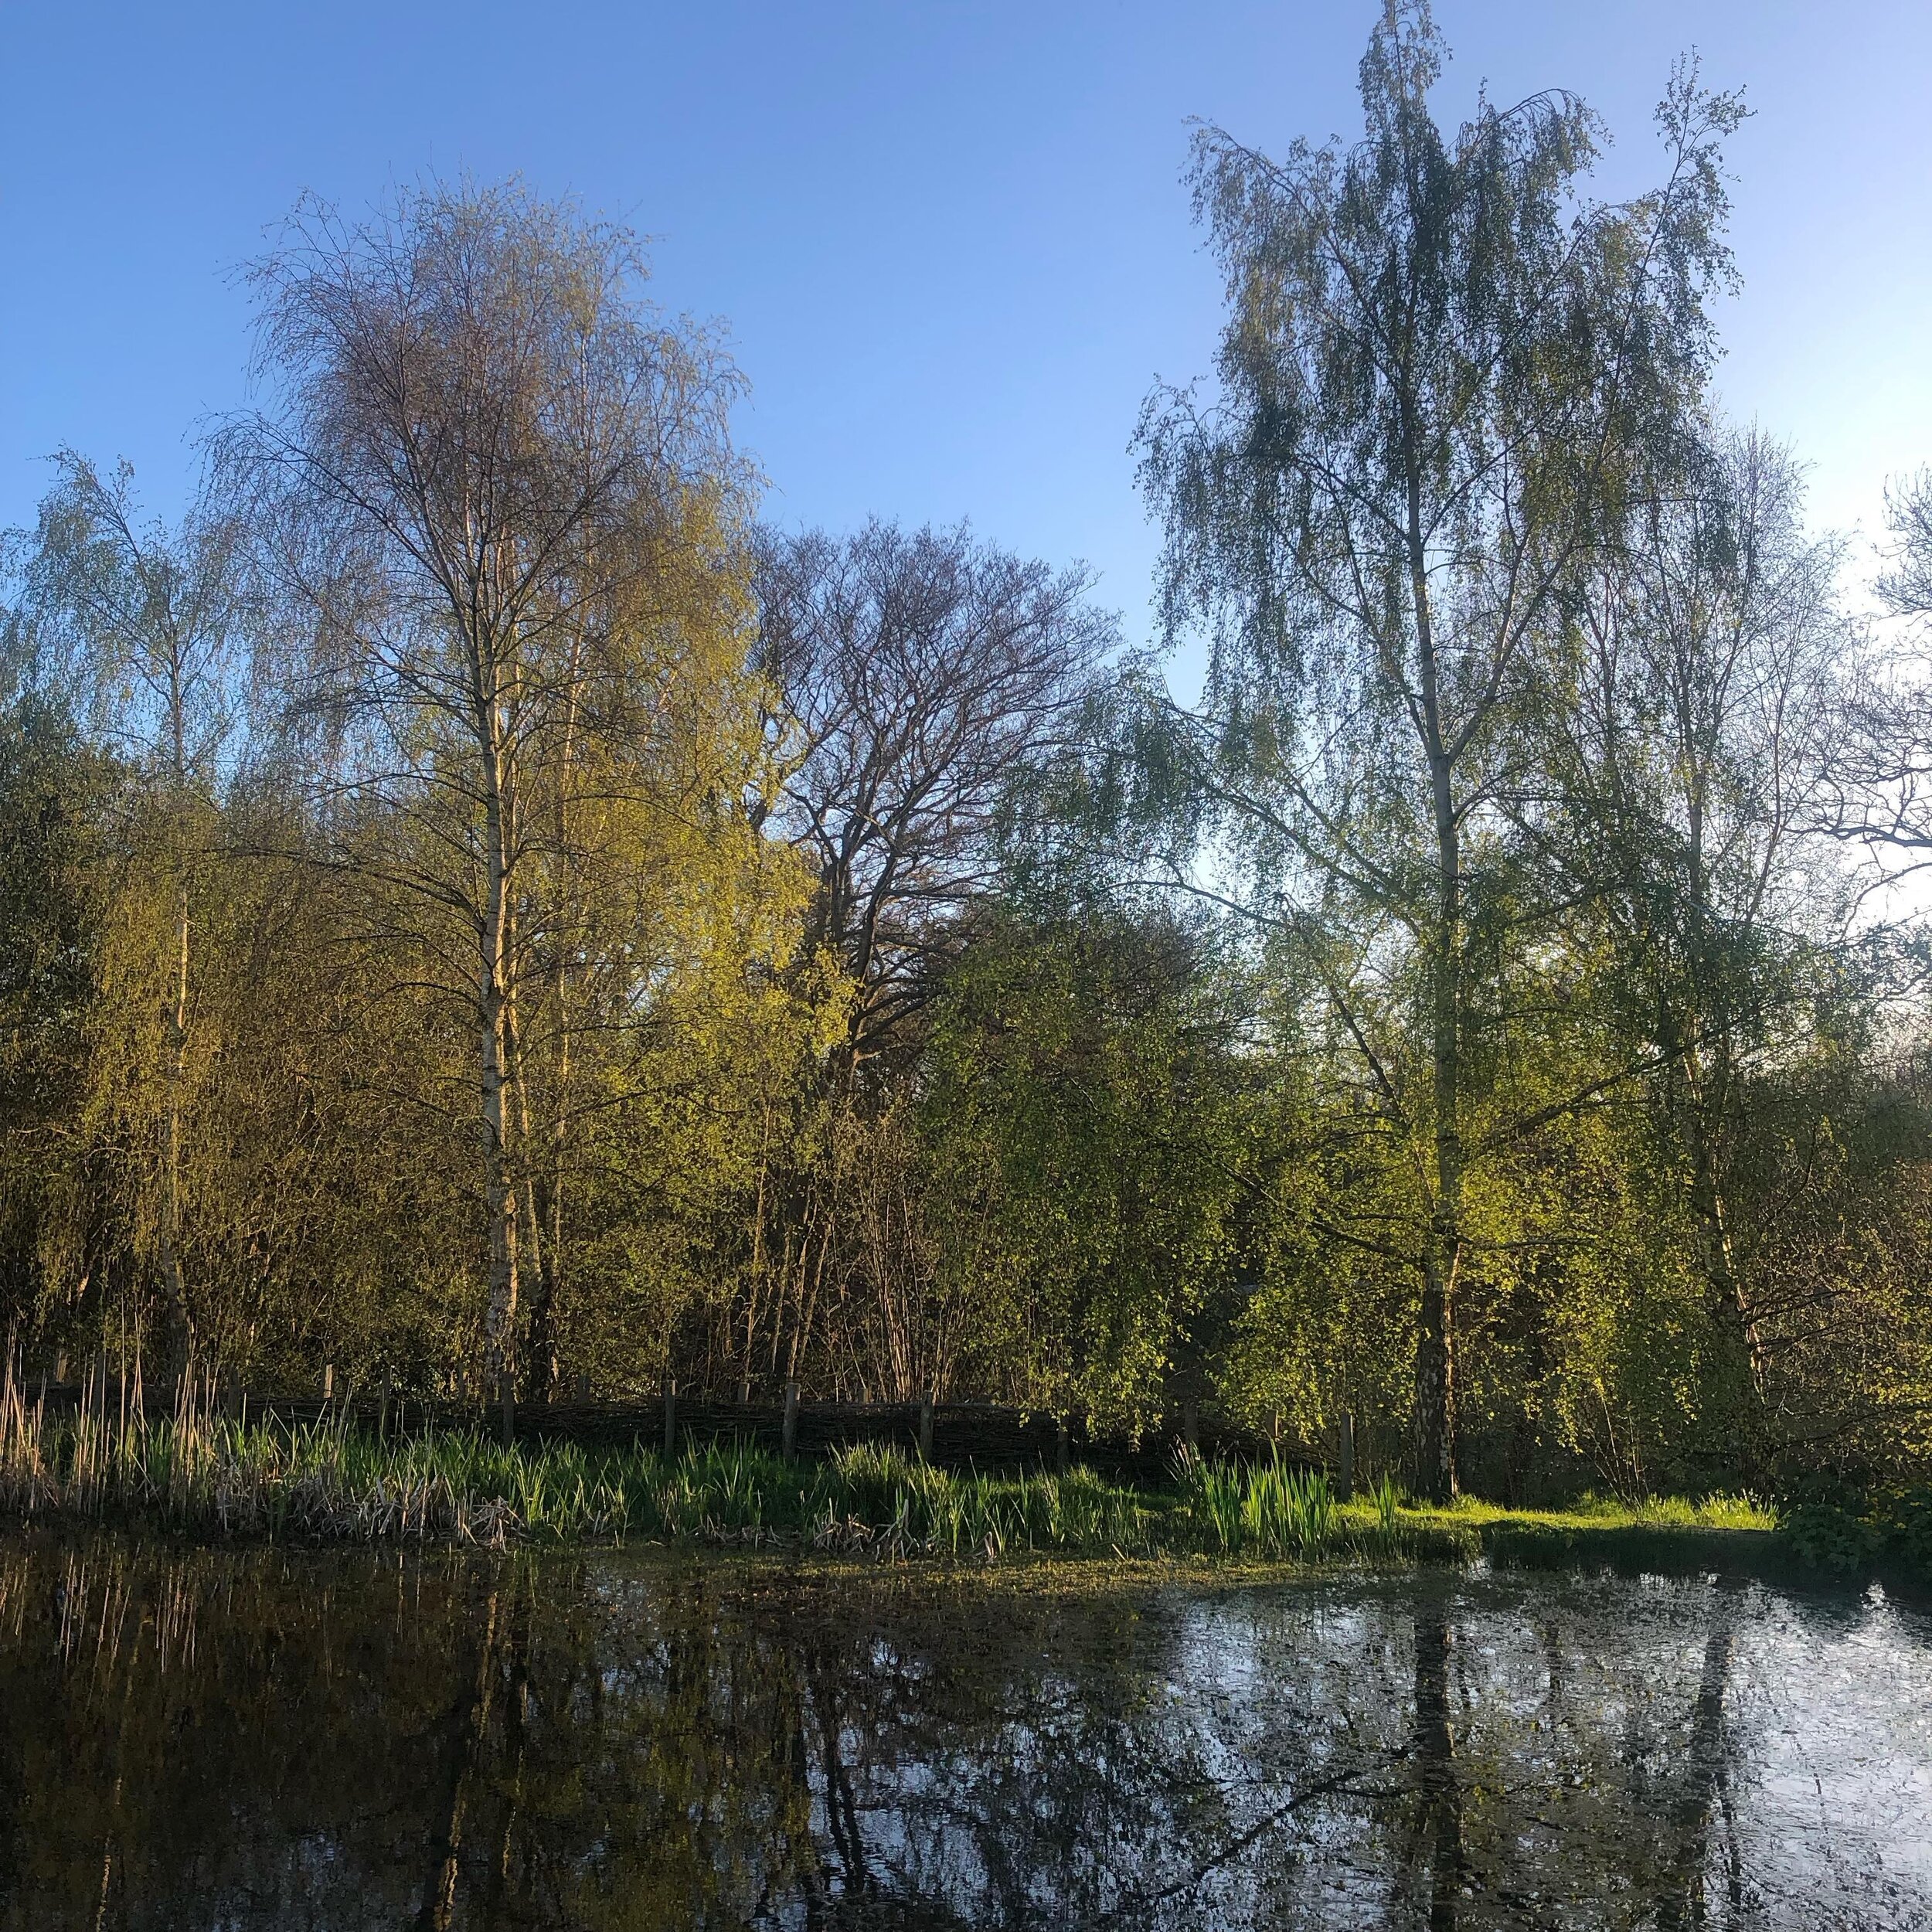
{"type": "Point", "coordinates": [250, 1738]}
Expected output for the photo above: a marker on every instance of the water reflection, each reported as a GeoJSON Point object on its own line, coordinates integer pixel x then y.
{"type": "Point", "coordinates": [240, 1739]}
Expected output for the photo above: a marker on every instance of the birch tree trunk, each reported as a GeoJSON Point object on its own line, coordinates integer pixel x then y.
{"type": "Point", "coordinates": [499, 1193]}
{"type": "Point", "coordinates": [174, 1018]}
{"type": "Point", "coordinates": [1441, 1258]}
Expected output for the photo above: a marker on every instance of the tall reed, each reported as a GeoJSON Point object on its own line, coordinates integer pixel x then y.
{"type": "Point", "coordinates": [196, 1469]}
{"type": "Point", "coordinates": [1268, 1509]}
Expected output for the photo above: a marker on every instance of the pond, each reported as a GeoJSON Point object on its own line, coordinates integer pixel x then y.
{"type": "Point", "coordinates": [249, 1737]}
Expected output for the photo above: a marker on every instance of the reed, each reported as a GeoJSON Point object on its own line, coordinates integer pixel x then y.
{"type": "Point", "coordinates": [197, 1470]}
{"type": "Point", "coordinates": [1273, 1511]}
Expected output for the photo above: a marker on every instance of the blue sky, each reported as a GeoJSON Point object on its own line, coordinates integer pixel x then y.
{"type": "Point", "coordinates": [951, 241]}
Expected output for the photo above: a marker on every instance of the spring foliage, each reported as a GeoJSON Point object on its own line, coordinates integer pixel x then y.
{"type": "Point", "coordinates": [478, 904]}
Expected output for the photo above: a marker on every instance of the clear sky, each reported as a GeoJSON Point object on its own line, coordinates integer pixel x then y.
{"type": "Point", "coordinates": [950, 240]}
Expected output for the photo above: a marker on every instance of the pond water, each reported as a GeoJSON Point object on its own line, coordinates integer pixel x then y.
{"type": "Point", "coordinates": [257, 1737]}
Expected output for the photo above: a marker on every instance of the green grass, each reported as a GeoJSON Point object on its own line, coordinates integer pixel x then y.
{"type": "Point", "coordinates": [207, 1475]}
{"type": "Point", "coordinates": [1615, 1512]}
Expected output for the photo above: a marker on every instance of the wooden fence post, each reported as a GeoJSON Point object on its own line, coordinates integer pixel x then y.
{"type": "Point", "coordinates": [790, 1436]}
{"type": "Point", "coordinates": [926, 1428]}
{"type": "Point", "coordinates": [328, 1382]}
{"type": "Point", "coordinates": [583, 1388]}
{"type": "Point", "coordinates": [670, 1416]}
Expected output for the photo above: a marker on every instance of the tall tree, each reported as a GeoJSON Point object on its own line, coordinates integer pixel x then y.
{"type": "Point", "coordinates": [55, 795]}
{"type": "Point", "coordinates": [1439, 366]}
{"type": "Point", "coordinates": [1690, 773]}
{"type": "Point", "coordinates": [502, 492]}
{"type": "Point", "coordinates": [144, 627]}
{"type": "Point", "coordinates": [917, 678]}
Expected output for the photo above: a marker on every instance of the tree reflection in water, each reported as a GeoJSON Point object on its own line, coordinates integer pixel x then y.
{"type": "Point", "coordinates": [1440, 1794]}
{"type": "Point", "coordinates": [250, 1738]}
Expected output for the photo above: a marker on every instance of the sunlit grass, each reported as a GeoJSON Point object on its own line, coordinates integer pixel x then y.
{"type": "Point", "coordinates": [1721, 1511]}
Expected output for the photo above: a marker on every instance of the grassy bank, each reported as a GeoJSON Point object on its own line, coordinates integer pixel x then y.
{"type": "Point", "coordinates": [212, 1475]}
{"type": "Point", "coordinates": [209, 1476]}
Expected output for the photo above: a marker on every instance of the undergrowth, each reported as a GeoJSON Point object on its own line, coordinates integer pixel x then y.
{"type": "Point", "coordinates": [204, 1473]}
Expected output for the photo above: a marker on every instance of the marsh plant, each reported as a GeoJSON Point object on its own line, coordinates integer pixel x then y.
{"type": "Point", "coordinates": [1268, 1509]}
{"type": "Point", "coordinates": [196, 1469]}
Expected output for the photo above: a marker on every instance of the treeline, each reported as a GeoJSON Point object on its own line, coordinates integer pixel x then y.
{"type": "Point", "coordinates": [481, 905]}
